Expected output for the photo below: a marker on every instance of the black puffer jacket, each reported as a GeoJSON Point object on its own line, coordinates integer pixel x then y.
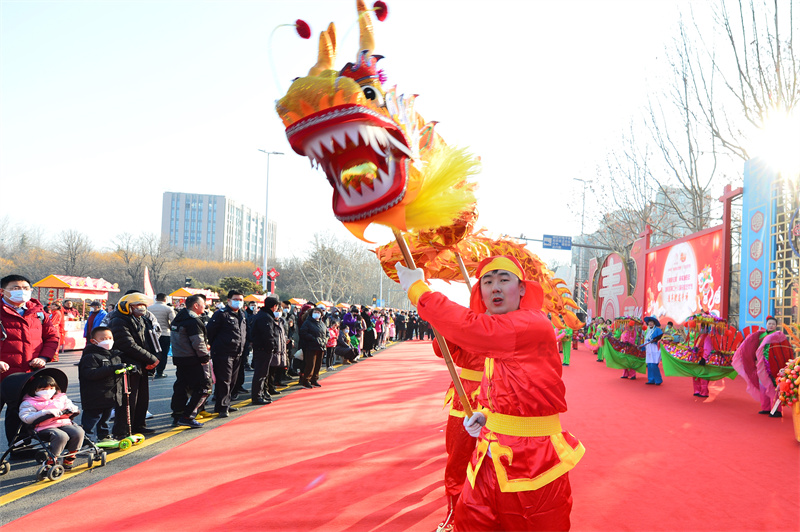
{"type": "Point", "coordinates": [131, 338]}
{"type": "Point", "coordinates": [100, 386]}
{"type": "Point", "coordinates": [227, 332]}
{"type": "Point", "coordinates": [313, 335]}
{"type": "Point", "coordinates": [265, 334]}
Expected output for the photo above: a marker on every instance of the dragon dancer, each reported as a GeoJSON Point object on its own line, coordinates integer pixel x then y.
{"type": "Point", "coordinates": [518, 477]}
{"type": "Point", "coordinates": [459, 443]}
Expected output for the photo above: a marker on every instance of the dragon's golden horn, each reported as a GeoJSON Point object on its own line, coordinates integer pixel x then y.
{"type": "Point", "coordinates": [367, 41]}
{"type": "Point", "coordinates": [327, 51]}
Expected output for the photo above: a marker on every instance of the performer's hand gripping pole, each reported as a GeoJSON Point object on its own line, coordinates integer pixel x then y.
{"type": "Point", "coordinates": [462, 395]}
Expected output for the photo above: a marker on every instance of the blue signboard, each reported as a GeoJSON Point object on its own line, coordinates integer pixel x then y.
{"type": "Point", "coordinates": [757, 244]}
{"type": "Point", "coordinates": [556, 242]}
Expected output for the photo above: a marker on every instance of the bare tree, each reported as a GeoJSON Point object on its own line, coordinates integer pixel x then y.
{"type": "Point", "coordinates": [159, 259]}
{"type": "Point", "coordinates": [72, 250]}
{"type": "Point", "coordinates": [627, 189]}
{"type": "Point", "coordinates": [133, 256]}
{"type": "Point", "coordinates": [328, 268]}
{"type": "Point", "coordinates": [757, 68]}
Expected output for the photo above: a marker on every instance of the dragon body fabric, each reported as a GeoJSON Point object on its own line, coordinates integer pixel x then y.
{"type": "Point", "coordinates": [386, 164]}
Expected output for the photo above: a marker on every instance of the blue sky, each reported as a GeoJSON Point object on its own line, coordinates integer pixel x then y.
{"type": "Point", "coordinates": [105, 105]}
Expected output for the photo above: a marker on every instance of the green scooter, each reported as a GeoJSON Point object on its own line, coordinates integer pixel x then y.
{"type": "Point", "coordinates": [132, 439]}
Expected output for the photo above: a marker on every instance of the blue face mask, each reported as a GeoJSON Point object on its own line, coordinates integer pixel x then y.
{"type": "Point", "coordinates": [315, 315]}
{"type": "Point", "coordinates": [235, 304]}
{"type": "Point", "coordinates": [277, 313]}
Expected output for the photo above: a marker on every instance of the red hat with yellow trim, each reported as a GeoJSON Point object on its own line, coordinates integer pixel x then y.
{"type": "Point", "coordinates": [534, 295]}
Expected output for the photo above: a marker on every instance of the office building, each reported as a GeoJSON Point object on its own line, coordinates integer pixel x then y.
{"type": "Point", "coordinates": [216, 226]}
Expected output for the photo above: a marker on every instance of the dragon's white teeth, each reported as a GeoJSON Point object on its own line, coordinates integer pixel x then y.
{"type": "Point", "coordinates": [380, 135]}
{"type": "Point", "coordinates": [341, 138]}
{"type": "Point", "coordinates": [383, 176]}
{"type": "Point", "coordinates": [352, 134]}
{"type": "Point", "coordinates": [399, 145]}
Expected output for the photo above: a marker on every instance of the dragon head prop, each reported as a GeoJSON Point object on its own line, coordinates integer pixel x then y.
{"type": "Point", "coordinates": [385, 163]}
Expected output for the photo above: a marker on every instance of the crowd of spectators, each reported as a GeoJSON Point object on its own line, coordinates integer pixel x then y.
{"type": "Point", "coordinates": [212, 348]}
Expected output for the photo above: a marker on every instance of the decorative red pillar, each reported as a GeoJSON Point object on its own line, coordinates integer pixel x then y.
{"type": "Point", "coordinates": [727, 198]}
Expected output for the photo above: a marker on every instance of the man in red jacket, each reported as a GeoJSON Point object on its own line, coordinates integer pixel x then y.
{"type": "Point", "coordinates": [30, 339]}
{"type": "Point", "coordinates": [518, 476]}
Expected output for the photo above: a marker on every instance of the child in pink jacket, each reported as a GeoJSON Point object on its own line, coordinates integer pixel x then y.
{"type": "Point", "coordinates": [51, 412]}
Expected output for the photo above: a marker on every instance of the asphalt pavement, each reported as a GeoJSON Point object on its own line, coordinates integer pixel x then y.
{"type": "Point", "coordinates": [21, 493]}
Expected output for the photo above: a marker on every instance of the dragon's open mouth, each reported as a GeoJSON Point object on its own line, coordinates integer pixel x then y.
{"type": "Point", "coordinates": [362, 152]}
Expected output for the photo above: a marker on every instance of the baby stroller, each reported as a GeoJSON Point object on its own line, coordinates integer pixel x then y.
{"type": "Point", "coordinates": [27, 439]}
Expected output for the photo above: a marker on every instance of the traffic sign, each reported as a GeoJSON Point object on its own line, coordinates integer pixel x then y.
{"type": "Point", "coordinates": [557, 242]}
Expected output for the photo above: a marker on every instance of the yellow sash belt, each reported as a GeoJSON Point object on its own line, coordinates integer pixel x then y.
{"type": "Point", "coordinates": [471, 375]}
{"type": "Point", "coordinates": [523, 426]}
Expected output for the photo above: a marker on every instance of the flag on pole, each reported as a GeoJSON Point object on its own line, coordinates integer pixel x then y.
{"type": "Point", "coordinates": [148, 288]}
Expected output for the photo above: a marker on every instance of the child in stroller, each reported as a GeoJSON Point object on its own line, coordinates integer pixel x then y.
{"type": "Point", "coordinates": [50, 410]}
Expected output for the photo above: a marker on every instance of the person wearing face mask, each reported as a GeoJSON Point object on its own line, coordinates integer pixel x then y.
{"type": "Point", "coordinates": [101, 387]}
{"type": "Point", "coordinates": [164, 314]}
{"type": "Point", "coordinates": [94, 319]}
{"type": "Point", "coordinates": [191, 357]}
{"type": "Point", "coordinates": [250, 316]}
{"type": "Point", "coordinates": [57, 315]}
{"type": "Point", "coordinates": [313, 339]}
{"type": "Point", "coordinates": [227, 334]}
{"type": "Point", "coordinates": [269, 351]}
{"type": "Point", "coordinates": [31, 339]}
{"type": "Point", "coordinates": [133, 337]}
{"type": "Point", "coordinates": [51, 411]}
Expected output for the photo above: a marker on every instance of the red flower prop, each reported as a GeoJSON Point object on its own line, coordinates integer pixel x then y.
{"type": "Point", "coordinates": [381, 10]}
{"type": "Point", "coordinates": [303, 30]}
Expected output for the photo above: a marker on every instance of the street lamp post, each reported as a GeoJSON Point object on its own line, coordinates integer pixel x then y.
{"type": "Point", "coordinates": [583, 212]}
{"type": "Point", "coordinates": [264, 278]}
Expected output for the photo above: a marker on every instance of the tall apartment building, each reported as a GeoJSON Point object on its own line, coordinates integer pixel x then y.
{"type": "Point", "coordinates": [217, 226]}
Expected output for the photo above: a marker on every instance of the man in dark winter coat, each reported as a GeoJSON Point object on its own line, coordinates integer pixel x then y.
{"type": "Point", "coordinates": [134, 338]}
{"type": "Point", "coordinates": [400, 326]}
{"type": "Point", "coordinates": [267, 335]}
{"type": "Point", "coordinates": [227, 333]}
{"type": "Point", "coordinates": [101, 386]}
{"type": "Point", "coordinates": [313, 339]}
{"type": "Point", "coordinates": [191, 356]}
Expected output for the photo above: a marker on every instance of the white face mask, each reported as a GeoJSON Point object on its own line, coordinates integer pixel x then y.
{"type": "Point", "coordinates": [47, 393]}
{"type": "Point", "coordinates": [106, 344]}
{"type": "Point", "coordinates": [315, 315]}
{"type": "Point", "coordinates": [19, 296]}
{"type": "Point", "coordinates": [277, 313]}
{"type": "Point", "coordinates": [235, 304]}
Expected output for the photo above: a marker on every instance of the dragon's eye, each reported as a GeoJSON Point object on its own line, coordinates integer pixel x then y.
{"type": "Point", "coordinates": [372, 94]}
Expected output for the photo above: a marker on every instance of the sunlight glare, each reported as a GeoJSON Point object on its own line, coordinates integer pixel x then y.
{"type": "Point", "coordinates": [778, 142]}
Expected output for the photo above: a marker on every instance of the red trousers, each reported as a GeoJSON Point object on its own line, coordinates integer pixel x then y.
{"type": "Point", "coordinates": [485, 507]}
{"type": "Point", "coordinates": [459, 445]}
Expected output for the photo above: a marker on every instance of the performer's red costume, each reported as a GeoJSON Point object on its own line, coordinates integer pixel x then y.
{"type": "Point", "coordinates": [458, 443]}
{"type": "Point", "coordinates": [518, 473]}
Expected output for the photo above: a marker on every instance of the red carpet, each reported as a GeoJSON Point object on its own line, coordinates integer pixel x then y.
{"type": "Point", "coordinates": [366, 452]}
